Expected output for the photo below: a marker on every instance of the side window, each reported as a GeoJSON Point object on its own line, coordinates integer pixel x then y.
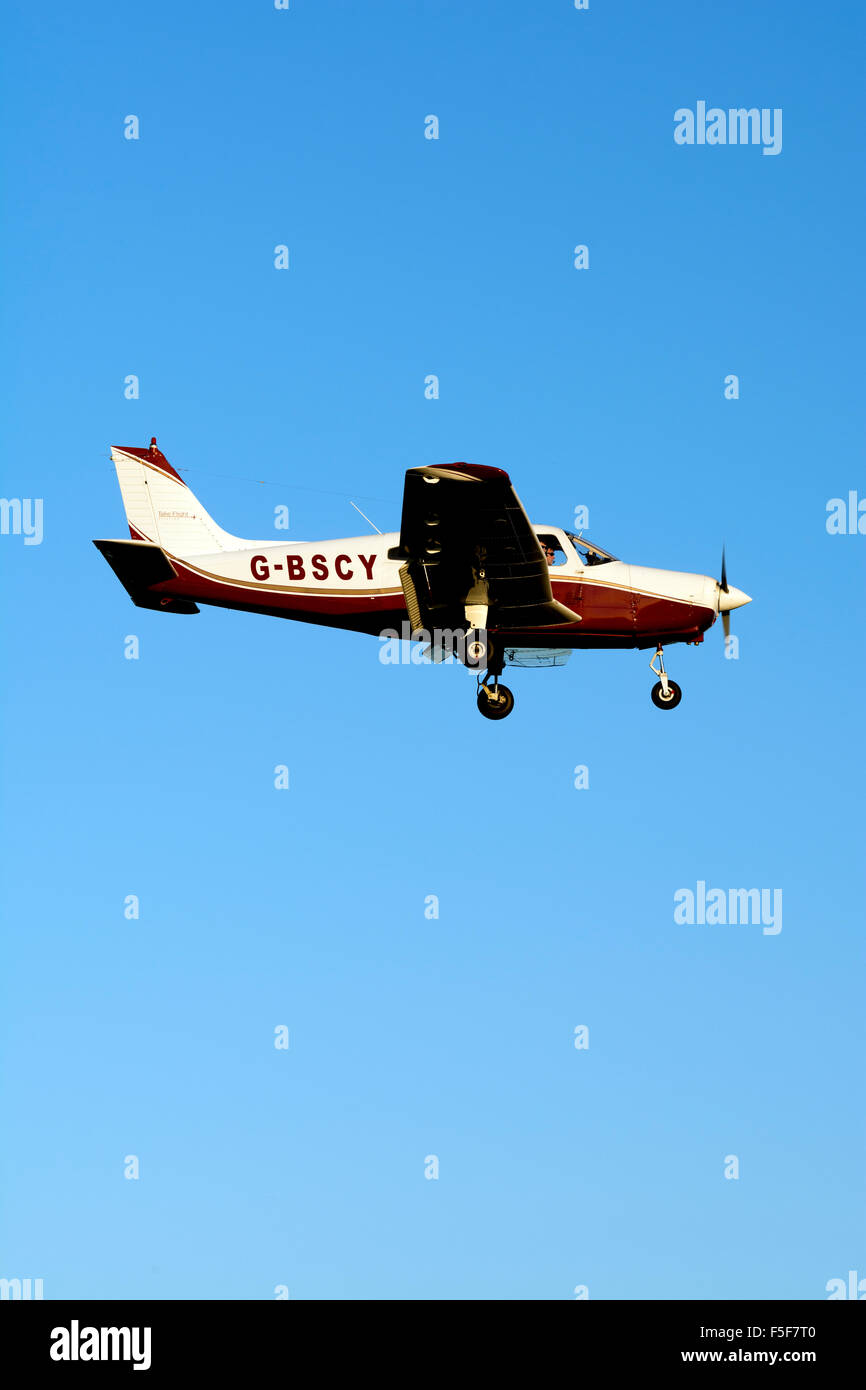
{"type": "Point", "coordinates": [552, 550]}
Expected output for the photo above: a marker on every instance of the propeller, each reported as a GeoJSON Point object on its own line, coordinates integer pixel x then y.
{"type": "Point", "coordinates": [729, 598]}
{"type": "Point", "coordinates": [723, 586]}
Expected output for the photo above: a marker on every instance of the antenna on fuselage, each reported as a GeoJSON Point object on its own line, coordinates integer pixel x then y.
{"type": "Point", "coordinates": [364, 515]}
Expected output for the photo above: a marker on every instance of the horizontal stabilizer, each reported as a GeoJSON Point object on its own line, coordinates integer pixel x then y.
{"type": "Point", "coordinates": [139, 566]}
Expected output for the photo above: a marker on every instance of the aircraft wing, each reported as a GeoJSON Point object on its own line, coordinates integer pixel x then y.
{"type": "Point", "coordinates": [465, 540]}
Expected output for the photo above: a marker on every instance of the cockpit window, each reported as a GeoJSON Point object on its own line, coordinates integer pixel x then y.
{"type": "Point", "coordinates": [590, 554]}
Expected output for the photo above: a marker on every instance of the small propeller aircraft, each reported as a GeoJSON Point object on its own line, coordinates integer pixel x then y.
{"type": "Point", "coordinates": [467, 562]}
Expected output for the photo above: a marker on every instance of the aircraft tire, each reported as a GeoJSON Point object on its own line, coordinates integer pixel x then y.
{"type": "Point", "coordinates": [479, 650]}
{"type": "Point", "coordinates": [674, 696]}
{"type": "Point", "coordinates": [496, 709]}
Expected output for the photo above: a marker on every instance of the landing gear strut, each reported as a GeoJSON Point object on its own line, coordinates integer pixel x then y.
{"type": "Point", "coordinates": [495, 701]}
{"type": "Point", "coordinates": [665, 694]}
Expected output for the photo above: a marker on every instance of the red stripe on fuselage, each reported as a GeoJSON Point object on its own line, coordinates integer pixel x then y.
{"type": "Point", "coordinates": [610, 616]}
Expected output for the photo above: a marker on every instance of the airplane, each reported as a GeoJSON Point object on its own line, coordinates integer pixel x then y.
{"type": "Point", "coordinates": [466, 564]}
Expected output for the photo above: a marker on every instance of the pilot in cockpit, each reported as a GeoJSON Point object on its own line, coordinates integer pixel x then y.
{"type": "Point", "coordinates": [548, 548]}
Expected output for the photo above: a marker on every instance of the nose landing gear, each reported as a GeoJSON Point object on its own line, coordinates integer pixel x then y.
{"type": "Point", "coordinates": [665, 694]}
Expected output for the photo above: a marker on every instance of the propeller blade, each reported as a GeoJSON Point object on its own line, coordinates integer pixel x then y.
{"type": "Point", "coordinates": [728, 598]}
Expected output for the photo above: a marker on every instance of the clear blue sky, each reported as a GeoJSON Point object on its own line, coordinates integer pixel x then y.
{"type": "Point", "coordinates": [305, 907]}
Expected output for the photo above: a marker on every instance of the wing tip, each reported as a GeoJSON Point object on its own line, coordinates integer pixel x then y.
{"type": "Point", "coordinates": [475, 472]}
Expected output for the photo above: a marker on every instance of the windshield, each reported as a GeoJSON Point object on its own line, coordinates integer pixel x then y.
{"type": "Point", "coordinates": [589, 553]}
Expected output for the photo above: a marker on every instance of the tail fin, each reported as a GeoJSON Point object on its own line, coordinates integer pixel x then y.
{"type": "Point", "coordinates": [160, 507]}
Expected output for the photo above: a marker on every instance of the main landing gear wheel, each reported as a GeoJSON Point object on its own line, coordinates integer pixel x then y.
{"type": "Point", "coordinates": [495, 701]}
{"type": "Point", "coordinates": [663, 701]}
